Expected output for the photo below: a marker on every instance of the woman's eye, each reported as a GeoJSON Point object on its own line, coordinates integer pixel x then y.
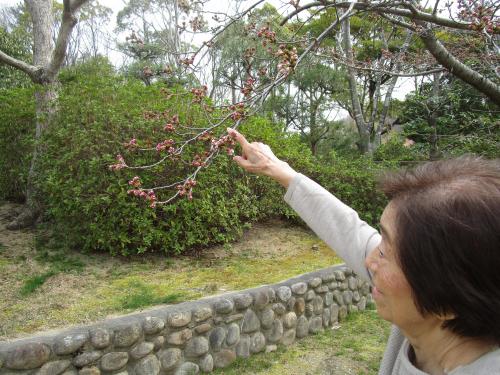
{"type": "Point", "coordinates": [380, 253]}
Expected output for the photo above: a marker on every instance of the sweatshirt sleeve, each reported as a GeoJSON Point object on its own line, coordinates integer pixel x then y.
{"type": "Point", "coordinates": [338, 225]}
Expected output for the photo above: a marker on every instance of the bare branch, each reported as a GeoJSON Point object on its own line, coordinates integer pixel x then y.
{"type": "Point", "coordinates": [462, 71]}
{"type": "Point", "coordinates": [398, 22]}
{"type": "Point", "coordinates": [68, 23]}
{"type": "Point", "coordinates": [388, 72]}
{"type": "Point", "coordinates": [434, 12]}
{"type": "Point", "coordinates": [385, 8]}
{"type": "Point", "coordinates": [32, 71]}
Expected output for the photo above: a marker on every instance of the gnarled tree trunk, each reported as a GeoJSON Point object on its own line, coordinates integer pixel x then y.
{"type": "Point", "coordinates": [47, 61]}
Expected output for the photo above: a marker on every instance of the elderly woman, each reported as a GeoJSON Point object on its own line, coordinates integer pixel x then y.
{"type": "Point", "coordinates": [435, 267]}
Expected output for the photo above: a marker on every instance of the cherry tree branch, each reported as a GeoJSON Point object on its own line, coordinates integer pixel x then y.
{"type": "Point", "coordinates": [456, 67]}
{"type": "Point", "coordinates": [382, 7]}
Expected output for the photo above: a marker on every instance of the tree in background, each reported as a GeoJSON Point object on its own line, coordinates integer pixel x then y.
{"type": "Point", "coordinates": [159, 35]}
{"type": "Point", "coordinates": [368, 42]}
{"type": "Point", "coordinates": [89, 39]}
{"type": "Point", "coordinates": [475, 25]}
{"type": "Point", "coordinates": [16, 41]}
{"type": "Point", "coordinates": [48, 57]}
{"type": "Point", "coordinates": [449, 117]}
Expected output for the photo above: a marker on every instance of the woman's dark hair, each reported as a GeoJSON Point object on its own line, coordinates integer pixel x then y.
{"type": "Point", "coordinates": [447, 227]}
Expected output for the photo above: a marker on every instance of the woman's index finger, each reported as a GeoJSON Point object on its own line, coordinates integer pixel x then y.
{"type": "Point", "coordinates": [240, 138]}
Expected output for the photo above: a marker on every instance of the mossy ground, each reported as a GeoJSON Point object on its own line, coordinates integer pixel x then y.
{"type": "Point", "coordinates": [42, 287]}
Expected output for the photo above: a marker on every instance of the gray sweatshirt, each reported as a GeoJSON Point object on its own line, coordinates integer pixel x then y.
{"type": "Point", "coordinates": [342, 229]}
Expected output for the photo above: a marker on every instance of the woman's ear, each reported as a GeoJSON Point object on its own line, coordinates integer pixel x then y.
{"type": "Point", "coordinates": [446, 316]}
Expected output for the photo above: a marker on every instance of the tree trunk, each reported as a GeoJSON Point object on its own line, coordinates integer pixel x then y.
{"type": "Point", "coordinates": [313, 127]}
{"type": "Point", "coordinates": [41, 14]}
{"type": "Point", "coordinates": [434, 153]}
{"type": "Point", "coordinates": [364, 134]}
{"type": "Point", "coordinates": [47, 61]}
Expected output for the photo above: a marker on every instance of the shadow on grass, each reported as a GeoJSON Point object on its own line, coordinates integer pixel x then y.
{"type": "Point", "coordinates": [142, 295]}
{"type": "Point", "coordinates": [59, 261]}
{"type": "Point", "coordinates": [33, 283]}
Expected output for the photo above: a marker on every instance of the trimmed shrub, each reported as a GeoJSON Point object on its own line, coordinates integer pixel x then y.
{"type": "Point", "coordinates": [17, 130]}
{"type": "Point", "coordinates": [88, 206]}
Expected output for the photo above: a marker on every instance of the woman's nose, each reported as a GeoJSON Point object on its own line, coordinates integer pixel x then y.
{"type": "Point", "coordinates": [371, 261]}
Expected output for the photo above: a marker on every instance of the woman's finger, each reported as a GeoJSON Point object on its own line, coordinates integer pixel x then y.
{"type": "Point", "coordinates": [240, 138]}
{"type": "Point", "coordinates": [242, 162]}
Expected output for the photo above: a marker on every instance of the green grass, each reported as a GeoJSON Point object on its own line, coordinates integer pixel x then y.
{"type": "Point", "coordinates": [33, 283]}
{"type": "Point", "coordinates": [358, 344]}
{"type": "Point", "coordinates": [58, 262]}
{"type": "Point", "coordinates": [139, 294]}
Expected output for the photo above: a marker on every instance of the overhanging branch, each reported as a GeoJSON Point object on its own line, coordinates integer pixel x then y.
{"type": "Point", "coordinates": [384, 8]}
{"type": "Point", "coordinates": [30, 70]}
{"type": "Point", "coordinates": [459, 69]}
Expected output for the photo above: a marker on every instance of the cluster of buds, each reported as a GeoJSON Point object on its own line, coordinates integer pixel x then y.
{"type": "Point", "coordinates": [169, 127]}
{"type": "Point", "coordinates": [288, 59]}
{"type": "Point", "coordinates": [188, 60]}
{"type": "Point", "coordinates": [148, 195]}
{"type": "Point", "coordinates": [168, 69]}
{"type": "Point", "coordinates": [207, 107]}
{"type": "Point", "coordinates": [135, 182]}
{"type": "Point", "coordinates": [386, 54]}
{"type": "Point", "coordinates": [186, 189]}
{"type": "Point", "coordinates": [199, 93]}
{"type": "Point", "coordinates": [238, 111]}
{"type": "Point", "coordinates": [166, 144]}
{"type": "Point", "coordinates": [294, 3]}
{"type": "Point", "coordinates": [130, 145]}
{"type": "Point", "coordinates": [267, 35]}
{"type": "Point", "coordinates": [262, 72]}
{"type": "Point", "coordinates": [184, 5]}
{"type": "Point", "coordinates": [151, 115]}
{"type": "Point", "coordinates": [166, 93]}
{"type": "Point", "coordinates": [133, 38]}
{"type": "Point", "coordinates": [250, 26]}
{"type": "Point", "coordinates": [206, 136]}
{"type": "Point", "coordinates": [481, 17]}
{"type": "Point", "coordinates": [171, 123]}
{"type": "Point", "coordinates": [119, 165]}
{"type": "Point", "coordinates": [197, 23]}
{"type": "Point", "coordinates": [208, 43]}
{"type": "Point", "coordinates": [249, 53]}
{"type": "Point", "coordinates": [248, 86]}
{"type": "Point", "coordinates": [147, 71]}
{"type": "Point", "coordinates": [225, 141]}
{"type": "Point", "coordinates": [198, 161]}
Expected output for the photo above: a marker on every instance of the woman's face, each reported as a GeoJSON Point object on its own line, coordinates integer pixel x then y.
{"type": "Point", "coordinates": [391, 291]}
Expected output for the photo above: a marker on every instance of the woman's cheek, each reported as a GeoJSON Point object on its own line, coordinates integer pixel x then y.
{"type": "Point", "coordinates": [395, 283]}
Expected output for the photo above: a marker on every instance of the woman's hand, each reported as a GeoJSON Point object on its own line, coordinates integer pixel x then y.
{"type": "Point", "coordinates": [258, 158]}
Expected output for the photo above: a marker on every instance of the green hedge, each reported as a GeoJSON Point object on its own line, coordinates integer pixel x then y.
{"type": "Point", "coordinates": [17, 129]}
{"type": "Point", "coordinates": [88, 205]}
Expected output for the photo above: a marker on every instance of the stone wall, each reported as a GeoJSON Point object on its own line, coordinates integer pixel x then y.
{"type": "Point", "coordinates": [193, 337]}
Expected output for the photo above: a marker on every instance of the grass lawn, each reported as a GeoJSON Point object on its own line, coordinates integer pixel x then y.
{"type": "Point", "coordinates": [42, 287]}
